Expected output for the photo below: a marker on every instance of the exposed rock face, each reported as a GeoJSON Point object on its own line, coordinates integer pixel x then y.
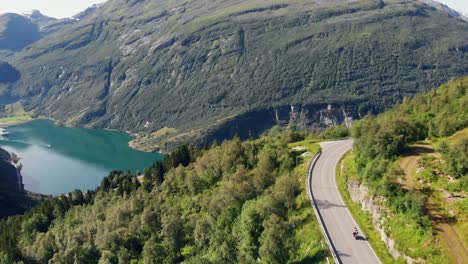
{"type": "Point", "coordinates": [10, 171]}
{"type": "Point", "coordinates": [198, 65]}
{"type": "Point", "coordinates": [13, 198]}
{"type": "Point", "coordinates": [304, 116]}
{"type": "Point", "coordinates": [37, 17]}
{"type": "Point", "coordinates": [360, 194]}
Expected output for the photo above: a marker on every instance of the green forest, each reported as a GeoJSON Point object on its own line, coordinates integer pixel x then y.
{"type": "Point", "coordinates": [437, 119]}
{"type": "Point", "coordinates": [237, 202]}
{"type": "Point", "coordinates": [245, 201]}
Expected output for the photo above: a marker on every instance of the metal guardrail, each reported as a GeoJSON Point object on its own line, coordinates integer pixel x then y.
{"type": "Point", "coordinates": [317, 213]}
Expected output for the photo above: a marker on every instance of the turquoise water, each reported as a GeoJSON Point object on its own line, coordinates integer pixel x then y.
{"type": "Point", "coordinates": [61, 159]}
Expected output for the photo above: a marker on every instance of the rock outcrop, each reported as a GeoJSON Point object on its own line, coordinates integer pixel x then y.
{"type": "Point", "coordinates": [13, 198]}
{"type": "Point", "coordinates": [10, 171]}
{"type": "Point", "coordinates": [360, 194]}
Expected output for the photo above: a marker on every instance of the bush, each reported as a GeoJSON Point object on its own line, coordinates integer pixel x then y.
{"type": "Point", "coordinates": [456, 158]}
{"type": "Point", "coordinates": [336, 132]}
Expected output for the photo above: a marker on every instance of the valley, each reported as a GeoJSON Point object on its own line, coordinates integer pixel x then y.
{"type": "Point", "coordinates": [182, 131]}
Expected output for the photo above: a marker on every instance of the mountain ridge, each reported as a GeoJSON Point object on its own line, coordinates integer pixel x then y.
{"type": "Point", "coordinates": [444, 7]}
{"type": "Point", "coordinates": [18, 31]}
{"type": "Point", "coordinates": [193, 65]}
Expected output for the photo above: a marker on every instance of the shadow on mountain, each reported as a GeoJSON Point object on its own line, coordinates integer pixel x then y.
{"type": "Point", "coordinates": [13, 198]}
{"type": "Point", "coordinates": [8, 74]}
{"type": "Point", "coordinates": [19, 32]}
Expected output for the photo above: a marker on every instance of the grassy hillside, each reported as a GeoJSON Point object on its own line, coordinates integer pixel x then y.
{"type": "Point", "coordinates": [415, 156]}
{"type": "Point", "coordinates": [238, 202]}
{"type": "Point", "coordinates": [200, 67]}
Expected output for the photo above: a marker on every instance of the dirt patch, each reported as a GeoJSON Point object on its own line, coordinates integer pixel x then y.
{"type": "Point", "coordinates": [299, 148]}
{"type": "Point", "coordinates": [447, 233]}
{"type": "Point", "coordinates": [409, 164]}
{"type": "Point", "coordinates": [441, 220]}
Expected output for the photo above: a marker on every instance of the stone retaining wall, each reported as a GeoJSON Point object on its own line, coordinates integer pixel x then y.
{"type": "Point", "coordinates": [360, 194]}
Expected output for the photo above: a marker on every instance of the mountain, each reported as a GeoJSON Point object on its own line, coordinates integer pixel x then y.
{"type": "Point", "coordinates": [47, 24]}
{"type": "Point", "coordinates": [443, 7]}
{"type": "Point", "coordinates": [37, 17]}
{"type": "Point", "coordinates": [189, 70]}
{"type": "Point", "coordinates": [17, 32]}
{"type": "Point", "coordinates": [88, 11]}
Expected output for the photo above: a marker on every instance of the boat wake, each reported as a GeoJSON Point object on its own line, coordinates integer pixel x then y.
{"type": "Point", "coordinates": [3, 132]}
{"type": "Point", "coordinates": [23, 142]}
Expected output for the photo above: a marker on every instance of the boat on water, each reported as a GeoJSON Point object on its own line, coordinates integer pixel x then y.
{"type": "Point", "coordinates": [3, 132]}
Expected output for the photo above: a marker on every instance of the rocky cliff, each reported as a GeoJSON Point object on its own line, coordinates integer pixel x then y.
{"type": "Point", "coordinates": [10, 171]}
{"type": "Point", "coordinates": [13, 198]}
{"type": "Point", "coordinates": [360, 194]}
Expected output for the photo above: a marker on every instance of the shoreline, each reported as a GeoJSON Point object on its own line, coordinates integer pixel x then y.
{"type": "Point", "coordinates": [132, 144]}
{"type": "Point", "coordinates": [61, 124]}
{"type": "Point", "coordinates": [4, 125]}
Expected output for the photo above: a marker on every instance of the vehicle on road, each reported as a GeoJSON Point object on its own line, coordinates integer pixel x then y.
{"type": "Point", "coordinates": [355, 233]}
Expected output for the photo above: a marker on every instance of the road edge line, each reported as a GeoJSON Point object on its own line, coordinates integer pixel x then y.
{"type": "Point", "coordinates": [347, 207]}
{"type": "Point", "coordinates": [314, 206]}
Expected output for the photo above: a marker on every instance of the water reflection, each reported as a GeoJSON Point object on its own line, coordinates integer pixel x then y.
{"type": "Point", "coordinates": [60, 159]}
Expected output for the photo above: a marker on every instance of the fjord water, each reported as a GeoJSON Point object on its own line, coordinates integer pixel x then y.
{"type": "Point", "coordinates": [61, 159]}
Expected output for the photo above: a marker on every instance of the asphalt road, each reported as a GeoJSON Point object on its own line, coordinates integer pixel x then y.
{"type": "Point", "coordinates": [336, 217]}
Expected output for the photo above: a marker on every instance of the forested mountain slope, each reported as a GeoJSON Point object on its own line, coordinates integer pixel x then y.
{"type": "Point", "coordinates": [195, 67]}
{"type": "Point", "coordinates": [238, 202]}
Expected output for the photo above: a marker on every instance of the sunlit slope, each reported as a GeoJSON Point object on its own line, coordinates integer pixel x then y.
{"type": "Point", "coordinates": [190, 65]}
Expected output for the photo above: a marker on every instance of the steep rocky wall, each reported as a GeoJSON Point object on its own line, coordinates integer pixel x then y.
{"type": "Point", "coordinates": [10, 171]}
{"type": "Point", "coordinates": [13, 198]}
{"type": "Point", "coordinates": [360, 194]}
{"type": "Point", "coordinates": [255, 123]}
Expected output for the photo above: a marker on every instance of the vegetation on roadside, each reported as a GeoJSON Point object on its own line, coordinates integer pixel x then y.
{"type": "Point", "coordinates": [234, 202]}
{"type": "Point", "coordinates": [345, 172]}
{"type": "Point", "coordinates": [336, 132]}
{"type": "Point", "coordinates": [379, 143]}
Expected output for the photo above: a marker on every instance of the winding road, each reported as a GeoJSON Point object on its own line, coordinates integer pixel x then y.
{"type": "Point", "coordinates": [337, 220]}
